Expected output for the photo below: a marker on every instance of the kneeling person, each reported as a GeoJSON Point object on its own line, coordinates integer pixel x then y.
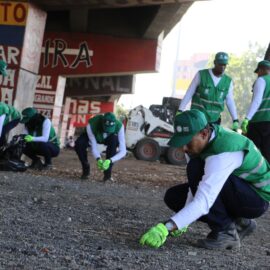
{"type": "Point", "coordinates": [41, 139]}
{"type": "Point", "coordinates": [9, 119]}
{"type": "Point", "coordinates": [228, 184]}
{"type": "Point", "coordinates": [103, 129]}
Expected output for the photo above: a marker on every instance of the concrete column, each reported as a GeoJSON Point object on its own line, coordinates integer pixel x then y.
{"type": "Point", "coordinates": [30, 57]}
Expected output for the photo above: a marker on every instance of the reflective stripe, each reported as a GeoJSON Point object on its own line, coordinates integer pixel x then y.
{"type": "Point", "coordinates": [209, 101]}
{"type": "Point", "coordinates": [256, 169]}
{"type": "Point", "coordinates": [201, 106]}
{"type": "Point", "coordinates": [263, 110]}
{"type": "Point", "coordinates": [262, 184]}
{"type": "Point", "coordinates": [53, 138]}
{"type": "Point", "coordinates": [198, 105]}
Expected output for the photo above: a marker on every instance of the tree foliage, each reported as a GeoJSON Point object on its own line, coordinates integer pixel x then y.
{"type": "Point", "coordinates": [120, 112]}
{"type": "Point", "coordinates": [241, 70]}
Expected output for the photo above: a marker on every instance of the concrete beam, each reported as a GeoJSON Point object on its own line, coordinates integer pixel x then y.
{"type": "Point", "coordinates": [166, 18]}
{"type": "Point", "coordinates": [78, 20]}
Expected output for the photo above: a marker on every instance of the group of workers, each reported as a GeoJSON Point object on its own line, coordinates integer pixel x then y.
{"type": "Point", "coordinates": [227, 173]}
{"type": "Point", "coordinates": [42, 140]}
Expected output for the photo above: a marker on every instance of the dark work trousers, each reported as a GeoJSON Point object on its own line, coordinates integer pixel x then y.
{"type": "Point", "coordinates": [44, 149]}
{"type": "Point", "coordinates": [6, 129]}
{"type": "Point", "coordinates": [259, 133]}
{"type": "Point", "coordinates": [217, 122]}
{"type": "Point", "coordinates": [82, 143]}
{"type": "Point", "coordinates": [236, 199]}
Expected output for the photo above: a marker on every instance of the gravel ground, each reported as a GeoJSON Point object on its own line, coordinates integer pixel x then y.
{"type": "Point", "coordinates": [55, 221]}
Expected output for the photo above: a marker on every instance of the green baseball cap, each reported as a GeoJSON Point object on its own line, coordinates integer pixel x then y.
{"type": "Point", "coordinates": [3, 68]}
{"type": "Point", "coordinates": [109, 122]}
{"type": "Point", "coordinates": [222, 58]}
{"type": "Point", "coordinates": [264, 63]}
{"type": "Point", "coordinates": [27, 114]}
{"type": "Point", "coordinates": [186, 125]}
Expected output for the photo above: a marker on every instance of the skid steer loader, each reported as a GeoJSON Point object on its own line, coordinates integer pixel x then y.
{"type": "Point", "coordinates": [148, 132]}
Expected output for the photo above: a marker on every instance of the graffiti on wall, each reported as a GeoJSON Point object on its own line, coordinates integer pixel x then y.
{"type": "Point", "coordinates": [85, 54]}
{"type": "Point", "coordinates": [11, 55]}
{"type": "Point", "coordinates": [80, 111]}
{"type": "Point", "coordinates": [98, 86]}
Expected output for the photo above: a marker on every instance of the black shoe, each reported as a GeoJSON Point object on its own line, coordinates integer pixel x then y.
{"type": "Point", "coordinates": [227, 239]}
{"type": "Point", "coordinates": [108, 179]}
{"type": "Point", "coordinates": [86, 172]}
{"type": "Point", "coordinates": [36, 165]}
{"type": "Point", "coordinates": [245, 227]}
{"type": "Point", "coordinates": [47, 167]}
{"type": "Point", "coordinates": [85, 176]}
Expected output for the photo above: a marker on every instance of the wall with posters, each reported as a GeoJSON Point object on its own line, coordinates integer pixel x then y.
{"type": "Point", "coordinates": [94, 66]}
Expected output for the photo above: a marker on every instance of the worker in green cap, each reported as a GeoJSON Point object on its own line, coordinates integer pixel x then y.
{"type": "Point", "coordinates": [9, 116]}
{"type": "Point", "coordinates": [228, 185]}
{"type": "Point", "coordinates": [9, 119]}
{"type": "Point", "coordinates": [41, 139]}
{"type": "Point", "coordinates": [102, 129]}
{"type": "Point", "coordinates": [256, 124]}
{"type": "Point", "coordinates": [209, 90]}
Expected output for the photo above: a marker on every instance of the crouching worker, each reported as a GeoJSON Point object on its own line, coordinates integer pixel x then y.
{"type": "Point", "coordinates": [9, 119]}
{"type": "Point", "coordinates": [41, 139]}
{"type": "Point", "coordinates": [228, 185]}
{"type": "Point", "coordinates": [103, 129]}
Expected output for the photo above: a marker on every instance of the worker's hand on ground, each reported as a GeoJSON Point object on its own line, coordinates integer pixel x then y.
{"type": "Point", "coordinates": [178, 112]}
{"type": "Point", "coordinates": [178, 232]}
{"type": "Point", "coordinates": [235, 125]}
{"type": "Point", "coordinates": [100, 164]}
{"type": "Point", "coordinates": [28, 138]}
{"type": "Point", "coordinates": [244, 126]}
{"type": "Point", "coordinates": [106, 164]}
{"type": "Point", "coordinates": [155, 237]}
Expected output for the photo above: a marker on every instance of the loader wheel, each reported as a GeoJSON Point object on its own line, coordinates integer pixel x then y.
{"type": "Point", "coordinates": [147, 149]}
{"type": "Point", "coordinates": [175, 156]}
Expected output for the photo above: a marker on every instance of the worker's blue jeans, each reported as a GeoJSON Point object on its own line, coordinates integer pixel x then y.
{"type": "Point", "coordinates": [236, 199]}
{"type": "Point", "coordinates": [82, 143]}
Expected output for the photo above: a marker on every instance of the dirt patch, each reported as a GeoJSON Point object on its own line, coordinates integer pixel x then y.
{"type": "Point", "coordinates": [53, 220]}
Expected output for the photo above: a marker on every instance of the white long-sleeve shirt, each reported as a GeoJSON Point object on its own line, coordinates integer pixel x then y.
{"type": "Point", "coordinates": [216, 171]}
{"type": "Point", "coordinates": [258, 91]}
{"type": "Point", "coordinates": [196, 82]}
{"type": "Point", "coordinates": [46, 128]}
{"type": "Point", "coordinates": [122, 144]}
{"type": "Point", "coordinates": [2, 120]}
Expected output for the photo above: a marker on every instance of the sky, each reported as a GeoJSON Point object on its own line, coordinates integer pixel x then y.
{"type": "Point", "coordinates": [207, 27]}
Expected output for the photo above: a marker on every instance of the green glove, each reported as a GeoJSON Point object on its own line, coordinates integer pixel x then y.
{"type": "Point", "coordinates": [235, 125]}
{"type": "Point", "coordinates": [177, 233]}
{"type": "Point", "coordinates": [155, 237]}
{"type": "Point", "coordinates": [28, 138]}
{"type": "Point", "coordinates": [100, 164]}
{"type": "Point", "coordinates": [106, 164]}
{"type": "Point", "coordinates": [244, 126]}
{"type": "Point", "coordinates": [178, 112]}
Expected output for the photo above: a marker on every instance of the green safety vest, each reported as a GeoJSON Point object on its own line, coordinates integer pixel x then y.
{"type": "Point", "coordinates": [53, 138]}
{"type": "Point", "coordinates": [263, 113]}
{"type": "Point", "coordinates": [96, 124]}
{"type": "Point", "coordinates": [209, 98]}
{"type": "Point", "coordinates": [254, 169]}
{"type": "Point", "coordinates": [12, 114]}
